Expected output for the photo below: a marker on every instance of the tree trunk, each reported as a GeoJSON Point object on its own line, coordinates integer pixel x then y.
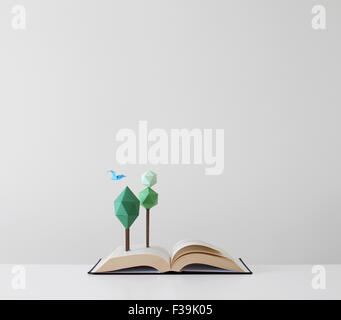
{"type": "Point", "coordinates": [147, 228]}
{"type": "Point", "coordinates": [127, 240]}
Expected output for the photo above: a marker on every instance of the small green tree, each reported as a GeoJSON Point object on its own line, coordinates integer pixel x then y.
{"type": "Point", "coordinates": [127, 207]}
{"type": "Point", "coordinates": [148, 198]}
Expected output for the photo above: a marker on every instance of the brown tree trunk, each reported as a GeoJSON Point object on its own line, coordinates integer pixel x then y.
{"type": "Point", "coordinates": [127, 240]}
{"type": "Point", "coordinates": [147, 228]}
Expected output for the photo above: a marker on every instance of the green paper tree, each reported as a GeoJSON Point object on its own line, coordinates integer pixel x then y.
{"type": "Point", "coordinates": [148, 197]}
{"type": "Point", "coordinates": [127, 208]}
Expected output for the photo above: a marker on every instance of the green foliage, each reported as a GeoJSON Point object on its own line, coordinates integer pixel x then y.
{"type": "Point", "coordinates": [148, 198]}
{"type": "Point", "coordinates": [149, 178]}
{"type": "Point", "coordinates": [127, 207]}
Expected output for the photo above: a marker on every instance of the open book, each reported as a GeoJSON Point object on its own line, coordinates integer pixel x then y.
{"type": "Point", "coordinates": [187, 256]}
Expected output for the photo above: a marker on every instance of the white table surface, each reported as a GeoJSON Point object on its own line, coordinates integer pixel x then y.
{"type": "Point", "coordinates": [73, 282]}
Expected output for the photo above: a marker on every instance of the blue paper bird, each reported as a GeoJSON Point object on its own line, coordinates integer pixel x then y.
{"type": "Point", "coordinates": [116, 177]}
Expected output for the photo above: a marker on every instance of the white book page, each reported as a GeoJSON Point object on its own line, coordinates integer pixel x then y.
{"type": "Point", "coordinates": [136, 250]}
{"type": "Point", "coordinates": [184, 243]}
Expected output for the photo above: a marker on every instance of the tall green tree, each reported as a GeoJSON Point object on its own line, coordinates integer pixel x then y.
{"type": "Point", "coordinates": [148, 198]}
{"type": "Point", "coordinates": [127, 207]}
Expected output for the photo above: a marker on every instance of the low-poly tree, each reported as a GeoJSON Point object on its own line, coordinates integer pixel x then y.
{"type": "Point", "coordinates": [127, 208]}
{"type": "Point", "coordinates": [148, 197]}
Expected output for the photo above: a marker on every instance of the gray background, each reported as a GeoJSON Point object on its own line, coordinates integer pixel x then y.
{"type": "Point", "coordinates": [85, 69]}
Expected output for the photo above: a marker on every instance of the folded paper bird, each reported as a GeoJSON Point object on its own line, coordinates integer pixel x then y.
{"type": "Point", "coordinates": [116, 177]}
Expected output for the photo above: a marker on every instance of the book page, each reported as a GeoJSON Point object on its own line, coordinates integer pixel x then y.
{"type": "Point", "coordinates": [186, 243]}
{"type": "Point", "coordinates": [202, 268]}
{"type": "Point", "coordinates": [137, 270]}
{"type": "Point", "coordinates": [203, 262]}
{"type": "Point", "coordinates": [141, 249]}
{"type": "Point", "coordinates": [136, 250]}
